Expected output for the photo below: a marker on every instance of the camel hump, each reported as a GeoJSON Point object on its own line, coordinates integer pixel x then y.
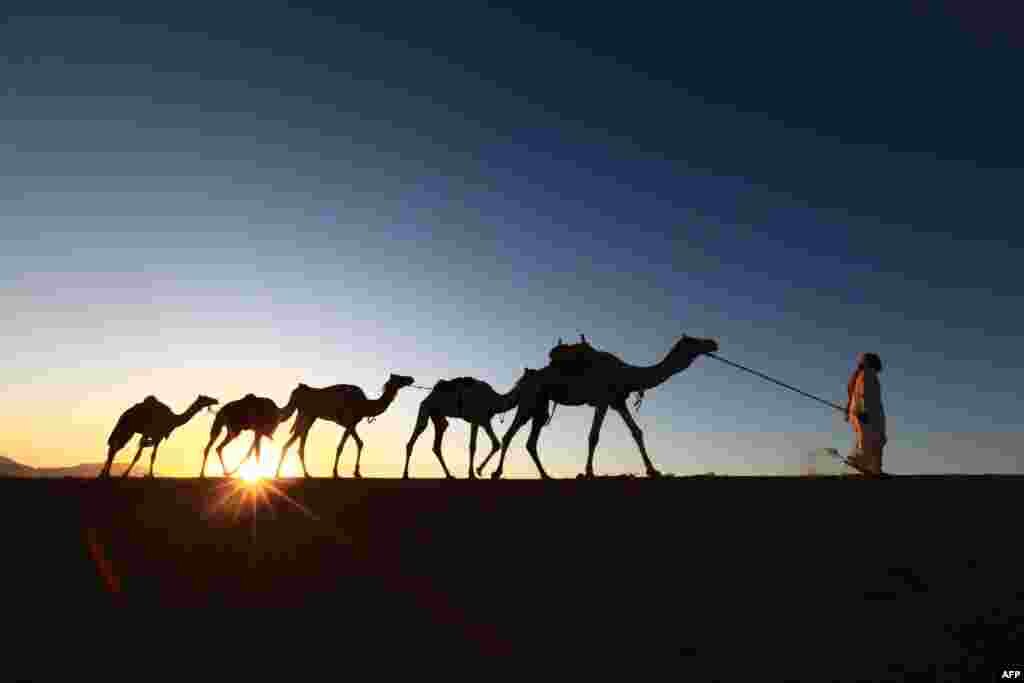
{"type": "Point", "coordinates": [573, 359]}
{"type": "Point", "coordinates": [348, 391]}
{"type": "Point", "coordinates": [141, 408]}
{"type": "Point", "coordinates": [571, 352]}
{"type": "Point", "coordinates": [456, 383]}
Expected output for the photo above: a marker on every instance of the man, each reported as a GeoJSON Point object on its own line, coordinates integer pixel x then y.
{"type": "Point", "coordinates": [864, 411]}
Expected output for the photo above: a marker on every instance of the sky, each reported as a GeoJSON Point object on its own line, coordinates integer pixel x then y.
{"type": "Point", "coordinates": [234, 200]}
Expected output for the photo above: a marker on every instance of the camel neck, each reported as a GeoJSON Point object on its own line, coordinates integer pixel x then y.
{"type": "Point", "coordinates": [650, 376]}
{"type": "Point", "coordinates": [187, 415]}
{"type": "Point", "coordinates": [379, 405]}
{"type": "Point", "coordinates": [290, 407]}
{"type": "Point", "coordinates": [508, 400]}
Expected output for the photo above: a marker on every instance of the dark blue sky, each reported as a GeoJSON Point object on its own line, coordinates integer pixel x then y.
{"type": "Point", "coordinates": [445, 190]}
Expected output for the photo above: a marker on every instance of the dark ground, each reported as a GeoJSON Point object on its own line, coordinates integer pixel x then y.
{"type": "Point", "coordinates": [912, 578]}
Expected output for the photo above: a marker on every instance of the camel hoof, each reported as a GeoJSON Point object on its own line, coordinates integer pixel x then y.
{"type": "Point", "coordinates": [356, 475]}
{"type": "Point", "coordinates": [496, 474]}
{"type": "Point", "coordinates": [654, 474]}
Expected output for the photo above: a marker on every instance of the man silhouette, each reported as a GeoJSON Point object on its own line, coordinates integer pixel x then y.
{"type": "Point", "coordinates": [865, 413]}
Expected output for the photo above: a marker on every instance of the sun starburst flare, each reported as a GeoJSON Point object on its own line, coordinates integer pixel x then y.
{"type": "Point", "coordinates": [252, 486]}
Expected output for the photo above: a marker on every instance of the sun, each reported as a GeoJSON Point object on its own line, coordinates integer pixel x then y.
{"type": "Point", "coordinates": [252, 473]}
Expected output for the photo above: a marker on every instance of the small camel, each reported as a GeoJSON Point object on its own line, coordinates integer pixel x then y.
{"type": "Point", "coordinates": [342, 404]}
{"type": "Point", "coordinates": [155, 422]}
{"type": "Point", "coordinates": [464, 398]}
{"type": "Point", "coordinates": [251, 412]}
{"type": "Point", "coordinates": [581, 375]}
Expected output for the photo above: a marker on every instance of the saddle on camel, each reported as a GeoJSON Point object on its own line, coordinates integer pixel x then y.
{"type": "Point", "coordinates": [457, 386]}
{"type": "Point", "coordinates": [572, 359]}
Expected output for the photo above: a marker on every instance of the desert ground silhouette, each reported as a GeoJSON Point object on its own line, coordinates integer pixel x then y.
{"type": "Point", "coordinates": [721, 576]}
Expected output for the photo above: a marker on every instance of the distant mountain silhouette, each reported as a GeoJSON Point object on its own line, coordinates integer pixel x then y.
{"type": "Point", "coordinates": [12, 468]}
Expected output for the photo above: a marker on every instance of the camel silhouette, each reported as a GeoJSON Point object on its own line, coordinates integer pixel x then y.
{"type": "Point", "coordinates": [251, 412]}
{"type": "Point", "coordinates": [154, 421]}
{"type": "Point", "coordinates": [342, 404]}
{"type": "Point", "coordinates": [464, 398]}
{"type": "Point", "coordinates": [579, 374]}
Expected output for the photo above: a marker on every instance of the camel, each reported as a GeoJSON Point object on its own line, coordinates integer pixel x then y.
{"type": "Point", "coordinates": [154, 421]}
{"type": "Point", "coordinates": [464, 398]}
{"type": "Point", "coordinates": [342, 404]}
{"type": "Point", "coordinates": [251, 412]}
{"type": "Point", "coordinates": [577, 375]}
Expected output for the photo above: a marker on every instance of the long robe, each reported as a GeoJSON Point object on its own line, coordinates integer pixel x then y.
{"type": "Point", "coordinates": [869, 432]}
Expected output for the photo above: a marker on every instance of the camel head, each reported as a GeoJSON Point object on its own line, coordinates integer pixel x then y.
{"type": "Point", "coordinates": [398, 381]}
{"type": "Point", "coordinates": [203, 401]}
{"type": "Point", "coordinates": [696, 345]}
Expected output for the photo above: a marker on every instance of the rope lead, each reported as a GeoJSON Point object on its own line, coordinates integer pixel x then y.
{"type": "Point", "coordinates": [783, 384]}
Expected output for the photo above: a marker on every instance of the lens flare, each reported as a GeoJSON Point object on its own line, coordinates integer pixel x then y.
{"type": "Point", "coordinates": [251, 473]}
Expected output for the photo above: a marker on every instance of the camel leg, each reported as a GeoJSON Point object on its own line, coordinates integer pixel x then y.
{"type": "Point", "coordinates": [138, 454]}
{"type": "Point", "coordinates": [284, 453]}
{"type": "Point", "coordinates": [300, 430]}
{"type": "Point", "coordinates": [111, 452]}
{"type": "Point", "coordinates": [359, 452]}
{"type": "Point", "coordinates": [152, 457]}
{"type": "Point", "coordinates": [472, 448]}
{"type": "Point", "coordinates": [522, 415]}
{"type": "Point", "coordinates": [228, 438]}
{"type": "Point", "coordinates": [206, 454]}
{"type": "Point", "coordinates": [248, 455]}
{"type": "Point", "coordinates": [595, 432]}
{"type": "Point", "coordinates": [256, 444]}
{"type": "Point", "coordinates": [214, 433]}
{"type": "Point", "coordinates": [495, 443]}
{"type": "Point", "coordinates": [341, 446]}
{"type": "Point", "coordinates": [421, 424]}
{"type": "Point", "coordinates": [638, 436]}
{"type": "Point", "coordinates": [539, 419]}
{"type": "Point", "coordinates": [302, 450]}
{"type": "Point", "coordinates": [440, 425]}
